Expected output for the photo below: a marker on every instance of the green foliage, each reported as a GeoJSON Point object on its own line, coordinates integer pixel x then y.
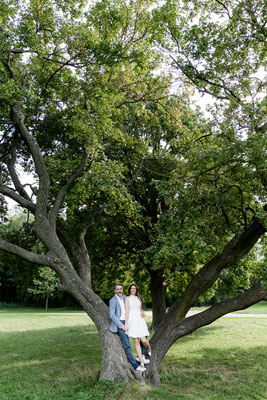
{"type": "Point", "coordinates": [5, 306]}
{"type": "Point", "coordinates": [46, 283]}
{"type": "Point", "coordinates": [17, 274]}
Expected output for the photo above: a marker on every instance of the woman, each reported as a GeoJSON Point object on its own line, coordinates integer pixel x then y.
{"type": "Point", "coordinates": [134, 323]}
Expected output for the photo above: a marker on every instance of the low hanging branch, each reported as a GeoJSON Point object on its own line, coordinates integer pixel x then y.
{"type": "Point", "coordinates": [25, 254]}
{"type": "Point", "coordinates": [239, 246]}
{"type": "Point", "coordinates": [167, 334]}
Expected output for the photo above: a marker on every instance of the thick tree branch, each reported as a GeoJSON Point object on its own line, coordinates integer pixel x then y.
{"type": "Point", "coordinates": [239, 246]}
{"type": "Point", "coordinates": [9, 192]}
{"type": "Point", "coordinates": [168, 333]}
{"type": "Point", "coordinates": [80, 253]}
{"type": "Point", "coordinates": [61, 194]}
{"type": "Point", "coordinates": [25, 254]}
{"type": "Point", "coordinates": [85, 262]}
{"type": "Point", "coordinates": [13, 174]}
{"type": "Point", "coordinates": [44, 183]}
{"type": "Point", "coordinates": [8, 68]}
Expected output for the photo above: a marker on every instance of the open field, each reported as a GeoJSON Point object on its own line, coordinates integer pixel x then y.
{"type": "Point", "coordinates": [259, 308]}
{"type": "Point", "coordinates": [45, 357]}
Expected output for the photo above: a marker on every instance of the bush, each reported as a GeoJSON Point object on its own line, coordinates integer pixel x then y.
{"type": "Point", "coordinates": [11, 305]}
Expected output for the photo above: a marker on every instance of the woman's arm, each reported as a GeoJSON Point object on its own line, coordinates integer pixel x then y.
{"type": "Point", "coordinates": [127, 306]}
{"type": "Point", "coordinates": [141, 310]}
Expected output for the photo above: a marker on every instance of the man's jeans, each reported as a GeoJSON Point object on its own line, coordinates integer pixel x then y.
{"type": "Point", "coordinates": [127, 347]}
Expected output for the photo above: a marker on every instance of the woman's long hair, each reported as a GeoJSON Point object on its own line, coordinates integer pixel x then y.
{"type": "Point", "coordinates": [137, 293]}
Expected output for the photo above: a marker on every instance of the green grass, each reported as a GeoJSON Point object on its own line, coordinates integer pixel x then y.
{"type": "Point", "coordinates": [58, 357]}
{"type": "Point", "coordinates": [30, 310]}
{"type": "Point", "coordinates": [259, 308]}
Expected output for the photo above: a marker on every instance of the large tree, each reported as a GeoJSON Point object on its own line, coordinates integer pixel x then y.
{"type": "Point", "coordinates": [67, 78]}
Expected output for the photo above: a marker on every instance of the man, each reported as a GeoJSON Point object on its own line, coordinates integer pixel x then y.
{"type": "Point", "coordinates": [117, 325]}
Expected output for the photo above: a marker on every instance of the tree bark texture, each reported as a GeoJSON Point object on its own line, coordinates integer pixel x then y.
{"type": "Point", "coordinates": [158, 296]}
{"type": "Point", "coordinates": [168, 332]}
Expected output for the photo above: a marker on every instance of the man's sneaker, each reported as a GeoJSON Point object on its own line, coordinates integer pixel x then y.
{"type": "Point", "coordinates": [145, 360]}
{"type": "Point", "coordinates": [141, 369]}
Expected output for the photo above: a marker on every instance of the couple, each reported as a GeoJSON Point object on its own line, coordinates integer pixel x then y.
{"type": "Point", "coordinates": [127, 320]}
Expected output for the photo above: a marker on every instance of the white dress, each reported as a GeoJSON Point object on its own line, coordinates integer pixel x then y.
{"type": "Point", "coordinates": [137, 327]}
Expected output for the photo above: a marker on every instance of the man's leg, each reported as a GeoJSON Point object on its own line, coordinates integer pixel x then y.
{"type": "Point", "coordinates": [127, 348]}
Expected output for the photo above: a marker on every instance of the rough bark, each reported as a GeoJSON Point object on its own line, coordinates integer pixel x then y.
{"type": "Point", "coordinates": [115, 366]}
{"type": "Point", "coordinates": [239, 246]}
{"type": "Point", "coordinates": [158, 296]}
{"type": "Point", "coordinates": [175, 325]}
{"type": "Point", "coordinates": [167, 333]}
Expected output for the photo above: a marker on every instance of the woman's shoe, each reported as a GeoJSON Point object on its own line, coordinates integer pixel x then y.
{"type": "Point", "coordinates": [141, 369]}
{"type": "Point", "coordinates": [146, 360]}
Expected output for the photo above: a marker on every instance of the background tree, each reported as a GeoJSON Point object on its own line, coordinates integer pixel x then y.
{"type": "Point", "coordinates": [17, 274]}
{"type": "Point", "coordinates": [45, 284]}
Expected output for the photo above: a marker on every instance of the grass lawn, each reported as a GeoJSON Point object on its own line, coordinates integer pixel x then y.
{"type": "Point", "coordinates": [39, 310]}
{"type": "Point", "coordinates": [46, 357]}
{"type": "Point", "coordinates": [259, 308]}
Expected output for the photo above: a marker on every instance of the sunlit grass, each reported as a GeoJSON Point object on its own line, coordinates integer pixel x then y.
{"type": "Point", "coordinates": [259, 308]}
{"type": "Point", "coordinates": [58, 357]}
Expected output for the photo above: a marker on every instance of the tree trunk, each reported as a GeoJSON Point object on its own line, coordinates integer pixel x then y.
{"type": "Point", "coordinates": [158, 296]}
{"type": "Point", "coordinates": [115, 365]}
{"type": "Point", "coordinates": [46, 302]}
{"type": "Point", "coordinates": [169, 331]}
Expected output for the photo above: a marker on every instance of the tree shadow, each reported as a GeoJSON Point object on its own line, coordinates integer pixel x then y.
{"type": "Point", "coordinates": [216, 373]}
{"type": "Point", "coordinates": [61, 353]}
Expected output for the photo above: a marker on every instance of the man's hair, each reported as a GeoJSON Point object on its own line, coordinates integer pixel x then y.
{"type": "Point", "coordinates": [118, 284]}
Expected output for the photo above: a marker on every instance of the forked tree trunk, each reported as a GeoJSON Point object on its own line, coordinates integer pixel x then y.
{"type": "Point", "coordinates": [172, 329]}
{"type": "Point", "coordinates": [115, 366]}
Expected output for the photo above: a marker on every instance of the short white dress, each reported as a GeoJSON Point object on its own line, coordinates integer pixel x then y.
{"type": "Point", "coordinates": [137, 327]}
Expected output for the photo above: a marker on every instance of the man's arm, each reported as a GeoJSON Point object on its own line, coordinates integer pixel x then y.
{"type": "Point", "coordinates": [112, 316]}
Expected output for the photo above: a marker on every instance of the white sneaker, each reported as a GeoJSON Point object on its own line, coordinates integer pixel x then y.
{"type": "Point", "coordinates": [149, 353]}
{"type": "Point", "coordinates": [145, 360]}
{"type": "Point", "coordinates": [141, 369]}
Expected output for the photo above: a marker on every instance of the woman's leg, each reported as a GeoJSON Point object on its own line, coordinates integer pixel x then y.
{"type": "Point", "coordinates": [146, 344]}
{"type": "Point", "coordinates": [138, 350]}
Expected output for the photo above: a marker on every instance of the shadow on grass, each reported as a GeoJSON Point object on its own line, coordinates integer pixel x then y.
{"type": "Point", "coordinates": [64, 362]}
{"type": "Point", "coordinates": [50, 352]}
